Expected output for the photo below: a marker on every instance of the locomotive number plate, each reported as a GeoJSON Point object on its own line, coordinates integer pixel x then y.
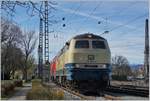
{"type": "Point", "coordinates": [90, 57]}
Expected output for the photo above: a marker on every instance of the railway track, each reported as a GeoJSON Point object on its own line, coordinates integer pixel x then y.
{"type": "Point", "coordinates": [111, 93]}
{"type": "Point", "coordinates": [82, 96]}
{"type": "Point", "coordinates": [129, 90]}
{"type": "Point", "coordinates": [91, 96]}
{"type": "Point", "coordinates": [77, 93]}
{"type": "Point", "coordinates": [72, 92]}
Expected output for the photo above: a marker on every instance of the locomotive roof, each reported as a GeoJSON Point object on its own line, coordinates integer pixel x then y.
{"type": "Point", "coordinates": [89, 36]}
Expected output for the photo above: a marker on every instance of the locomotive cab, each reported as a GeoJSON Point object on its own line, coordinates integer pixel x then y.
{"type": "Point", "coordinates": [90, 51]}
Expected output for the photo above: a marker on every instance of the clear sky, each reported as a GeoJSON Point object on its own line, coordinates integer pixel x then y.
{"type": "Point", "coordinates": [125, 19]}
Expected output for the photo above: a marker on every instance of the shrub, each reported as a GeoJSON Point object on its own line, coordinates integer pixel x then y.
{"type": "Point", "coordinates": [18, 83]}
{"type": "Point", "coordinates": [58, 95]}
{"type": "Point", "coordinates": [3, 92]}
{"type": "Point", "coordinates": [40, 92]}
{"type": "Point", "coordinates": [7, 86]}
{"type": "Point", "coordinates": [119, 78]}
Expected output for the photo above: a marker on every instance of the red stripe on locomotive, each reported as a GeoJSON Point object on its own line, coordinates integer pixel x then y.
{"type": "Point", "coordinates": [53, 68]}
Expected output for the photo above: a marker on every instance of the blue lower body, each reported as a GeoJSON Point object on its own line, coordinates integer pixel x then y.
{"type": "Point", "coordinates": [84, 74]}
{"type": "Point", "coordinates": [88, 74]}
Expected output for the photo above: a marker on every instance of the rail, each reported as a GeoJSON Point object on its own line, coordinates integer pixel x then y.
{"type": "Point", "coordinates": [129, 90]}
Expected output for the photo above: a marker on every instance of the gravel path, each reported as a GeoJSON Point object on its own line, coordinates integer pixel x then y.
{"type": "Point", "coordinates": [21, 93]}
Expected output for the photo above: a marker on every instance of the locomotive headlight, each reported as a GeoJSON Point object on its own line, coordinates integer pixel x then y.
{"type": "Point", "coordinates": [77, 65]}
{"type": "Point", "coordinates": [103, 66]}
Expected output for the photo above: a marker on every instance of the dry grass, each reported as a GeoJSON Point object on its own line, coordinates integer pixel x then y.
{"type": "Point", "coordinates": [36, 83]}
{"type": "Point", "coordinates": [56, 94]}
{"type": "Point", "coordinates": [40, 92]}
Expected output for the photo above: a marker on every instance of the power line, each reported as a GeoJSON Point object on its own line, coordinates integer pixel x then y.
{"type": "Point", "coordinates": [129, 31]}
{"type": "Point", "coordinates": [124, 9]}
{"type": "Point", "coordinates": [89, 14]}
{"type": "Point", "coordinates": [130, 21]}
{"type": "Point", "coordinates": [74, 11]}
{"type": "Point", "coordinates": [132, 30]}
{"type": "Point", "coordinates": [86, 19]}
{"type": "Point", "coordinates": [77, 9]}
{"type": "Point", "coordinates": [124, 46]}
{"type": "Point", "coordinates": [107, 17]}
{"type": "Point", "coordinates": [70, 16]}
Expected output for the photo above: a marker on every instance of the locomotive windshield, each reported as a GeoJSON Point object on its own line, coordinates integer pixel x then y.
{"type": "Point", "coordinates": [82, 44]}
{"type": "Point", "coordinates": [98, 44]}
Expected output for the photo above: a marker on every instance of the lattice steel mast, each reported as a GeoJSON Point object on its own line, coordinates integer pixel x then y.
{"type": "Point", "coordinates": [40, 50]}
{"type": "Point", "coordinates": [43, 48]}
{"type": "Point", "coordinates": [46, 31]}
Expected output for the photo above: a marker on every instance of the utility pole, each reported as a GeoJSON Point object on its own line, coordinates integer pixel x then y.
{"type": "Point", "coordinates": [146, 51]}
{"type": "Point", "coordinates": [40, 50]}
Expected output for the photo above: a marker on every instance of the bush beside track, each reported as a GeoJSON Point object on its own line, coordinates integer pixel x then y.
{"type": "Point", "coordinates": [8, 86]}
{"type": "Point", "coordinates": [119, 78]}
{"type": "Point", "coordinates": [41, 92]}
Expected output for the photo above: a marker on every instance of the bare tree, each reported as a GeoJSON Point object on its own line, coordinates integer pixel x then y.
{"type": "Point", "coordinates": [32, 7]}
{"type": "Point", "coordinates": [10, 32]}
{"type": "Point", "coordinates": [16, 49]}
{"type": "Point", "coordinates": [10, 40]}
{"type": "Point", "coordinates": [120, 66]}
{"type": "Point", "coordinates": [11, 57]}
{"type": "Point", "coordinates": [31, 64]}
{"type": "Point", "coordinates": [28, 46]}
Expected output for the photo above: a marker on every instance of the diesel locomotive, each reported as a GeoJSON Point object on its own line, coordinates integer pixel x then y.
{"type": "Point", "coordinates": [83, 62]}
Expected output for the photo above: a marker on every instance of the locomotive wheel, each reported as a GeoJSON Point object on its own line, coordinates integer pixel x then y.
{"type": "Point", "coordinates": [68, 84]}
{"type": "Point", "coordinates": [63, 81]}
